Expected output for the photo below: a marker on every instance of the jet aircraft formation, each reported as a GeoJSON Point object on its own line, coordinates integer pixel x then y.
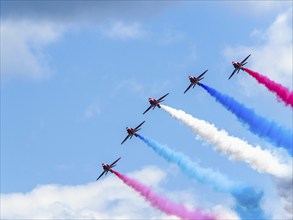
{"type": "Point", "coordinates": [156, 103]}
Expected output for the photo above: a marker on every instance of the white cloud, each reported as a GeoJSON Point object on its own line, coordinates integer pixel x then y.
{"type": "Point", "coordinates": [92, 110]}
{"type": "Point", "coordinates": [120, 30]}
{"type": "Point", "coordinates": [108, 198]}
{"type": "Point", "coordinates": [22, 44]}
{"type": "Point", "coordinates": [169, 37]}
{"type": "Point", "coordinates": [130, 84]}
{"type": "Point", "coordinates": [143, 90]}
{"type": "Point", "coordinates": [224, 213]}
{"type": "Point", "coordinates": [273, 56]}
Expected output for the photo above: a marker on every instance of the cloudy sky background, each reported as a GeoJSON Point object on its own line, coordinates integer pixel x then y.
{"type": "Point", "coordinates": [75, 74]}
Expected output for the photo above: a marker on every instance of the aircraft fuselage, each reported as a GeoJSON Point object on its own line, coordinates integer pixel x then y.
{"type": "Point", "coordinates": [130, 131]}
{"type": "Point", "coordinates": [154, 102]}
{"type": "Point", "coordinates": [237, 65]}
{"type": "Point", "coordinates": [106, 167]}
{"type": "Point", "coordinates": [193, 79]}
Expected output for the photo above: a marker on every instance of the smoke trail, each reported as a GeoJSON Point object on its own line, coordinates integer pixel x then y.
{"type": "Point", "coordinates": [162, 203]}
{"type": "Point", "coordinates": [269, 130]}
{"type": "Point", "coordinates": [218, 181]}
{"type": "Point", "coordinates": [282, 92]}
{"type": "Point", "coordinates": [261, 160]}
{"type": "Point", "coordinates": [247, 199]}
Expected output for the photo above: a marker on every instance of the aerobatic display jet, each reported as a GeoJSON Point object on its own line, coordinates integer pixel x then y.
{"type": "Point", "coordinates": [238, 66]}
{"type": "Point", "coordinates": [132, 131]}
{"type": "Point", "coordinates": [195, 81]}
{"type": "Point", "coordinates": [155, 103]}
{"type": "Point", "coordinates": [108, 167]}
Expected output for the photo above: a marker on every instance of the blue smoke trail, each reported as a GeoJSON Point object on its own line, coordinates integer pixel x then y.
{"type": "Point", "coordinates": [269, 130]}
{"type": "Point", "coordinates": [247, 199]}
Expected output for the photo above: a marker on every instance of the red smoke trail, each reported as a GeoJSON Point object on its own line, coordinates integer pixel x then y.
{"type": "Point", "coordinates": [162, 203]}
{"type": "Point", "coordinates": [282, 92]}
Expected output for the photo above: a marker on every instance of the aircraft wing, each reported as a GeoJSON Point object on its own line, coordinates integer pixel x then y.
{"type": "Point", "coordinates": [101, 175]}
{"type": "Point", "coordinates": [245, 59]}
{"type": "Point", "coordinates": [112, 164]}
{"type": "Point", "coordinates": [125, 138]}
{"type": "Point", "coordinates": [233, 73]}
{"type": "Point", "coordinates": [163, 97]}
{"type": "Point", "coordinates": [139, 125]}
{"type": "Point", "coordinates": [201, 75]}
{"type": "Point", "coordinates": [200, 79]}
{"type": "Point", "coordinates": [188, 88]}
{"type": "Point", "coordinates": [147, 109]}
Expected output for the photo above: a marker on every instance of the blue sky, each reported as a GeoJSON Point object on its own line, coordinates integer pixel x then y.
{"type": "Point", "coordinates": [74, 75]}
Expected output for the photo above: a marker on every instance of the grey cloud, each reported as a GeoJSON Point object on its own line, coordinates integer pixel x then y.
{"type": "Point", "coordinates": [285, 191]}
{"type": "Point", "coordinates": [87, 11]}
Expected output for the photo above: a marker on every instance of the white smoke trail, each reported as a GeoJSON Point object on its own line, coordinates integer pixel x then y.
{"type": "Point", "coordinates": [261, 160]}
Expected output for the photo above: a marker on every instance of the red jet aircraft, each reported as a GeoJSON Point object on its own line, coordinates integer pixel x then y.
{"type": "Point", "coordinates": [155, 102]}
{"type": "Point", "coordinates": [194, 81]}
{"type": "Point", "coordinates": [108, 167]}
{"type": "Point", "coordinates": [132, 131]}
{"type": "Point", "coordinates": [238, 66]}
